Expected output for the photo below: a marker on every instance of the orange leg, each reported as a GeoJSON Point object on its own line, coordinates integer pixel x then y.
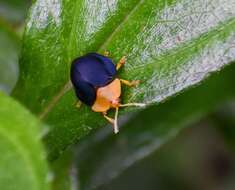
{"type": "Point", "coordinates": [130, 83]}
{"type": "Point", "coordinates": [113, 121]}
{"type": "Point", "coordinates": [78, 104]}
{"type": "Point", "coordinates": [121, 62]}
{"type": "Point", "coordinates": [106, 53]}
{"type": "Point", "coordinates": [109, 119]}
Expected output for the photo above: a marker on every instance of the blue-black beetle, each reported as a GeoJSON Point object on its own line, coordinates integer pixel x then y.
{"type": "Point", "coordinates": [96, 84]}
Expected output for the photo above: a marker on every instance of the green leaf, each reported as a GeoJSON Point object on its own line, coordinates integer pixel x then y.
{"type": "Point", "coordinates": [102, 157]}
{"type": "Point", "coordinates": [22, 162]}
{"type": "Point", "coordinates": [170, 45]}
{"type": "Point", "coordinates": [65, 174]}
{"type": "Point", "coordinates": [9, 48]}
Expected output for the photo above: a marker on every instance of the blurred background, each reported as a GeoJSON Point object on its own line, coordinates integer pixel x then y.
{"type": "Point", "coordinates": [200, 157]}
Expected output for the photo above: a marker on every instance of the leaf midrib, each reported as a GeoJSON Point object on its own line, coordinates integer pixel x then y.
{"type": "Point", "coordinates": [68, 86]}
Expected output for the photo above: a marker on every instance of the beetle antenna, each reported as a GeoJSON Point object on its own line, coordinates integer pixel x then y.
{"type": "Point", "coordinates": [116, 130]}
{"type": "Point", "coordinates": [133, 104]}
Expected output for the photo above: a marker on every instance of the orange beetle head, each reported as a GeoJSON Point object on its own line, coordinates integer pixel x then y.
{"type": "Point", "coordinates": [108, 96]}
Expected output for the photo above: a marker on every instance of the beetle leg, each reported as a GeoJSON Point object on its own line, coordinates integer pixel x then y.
{"type": "Point", "coordinates": [121, 62]}
{"type": "Point", "coordinates": [133, 104]}
{"type": "Point", "coordinates": [115, 127]}
{"type": "Point", "coordinates": [106, 53]}
{"type": "Point", "coordinates": [78, 104]}
{"type": "Point", "coordinates": [113, 121]}
{"type": "Point", "coordinates": [130, 83]}
{"type": "Point", "coordinates": [110, 120]}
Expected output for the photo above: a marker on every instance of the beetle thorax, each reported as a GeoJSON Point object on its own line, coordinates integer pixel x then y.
{"type": "Point", "coordinates": [108, 96]}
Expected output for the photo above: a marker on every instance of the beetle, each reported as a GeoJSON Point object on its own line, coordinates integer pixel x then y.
{"type": "Point", "coordinates": [96, 84]}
